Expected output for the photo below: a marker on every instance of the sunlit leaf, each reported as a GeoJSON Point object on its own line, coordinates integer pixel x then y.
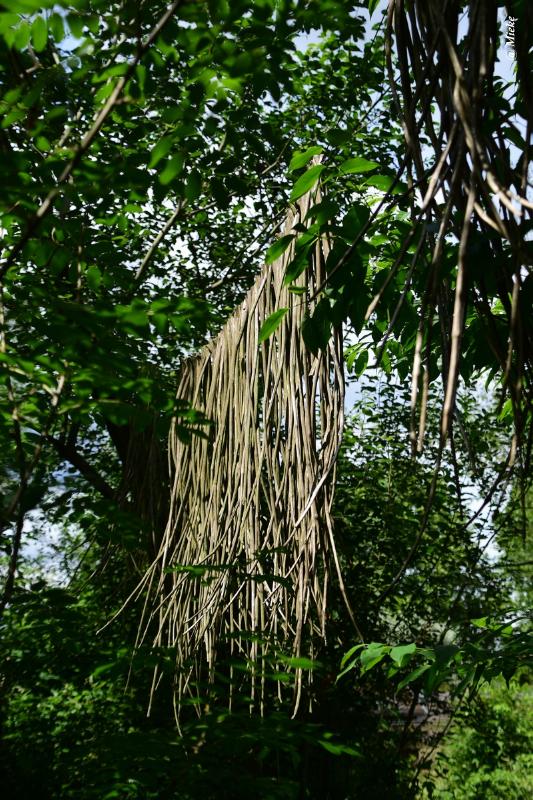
{"type": "Point", "coordinates": [278, 248]}
{"type": "Point", "coordinates": [271, 324]}
{"type": "Point", "coordinates": [357, 165]}
{"type": "Point", "coordinates": [300, 159]}
{"type": "Point", "coordinates": [306, 181]}
{"type": "Point", "coordinates": [402, 653]}
{"type": "Point", "coordinates": [39, 33]}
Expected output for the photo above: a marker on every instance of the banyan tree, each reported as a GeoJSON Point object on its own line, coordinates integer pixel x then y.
{"type": "Point", "coordinates": [249, 549]}
{"type": "Point", "coordinates": [241, 545]}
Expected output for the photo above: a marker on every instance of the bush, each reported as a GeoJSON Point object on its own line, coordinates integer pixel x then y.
{"type": "Point", "coordinates": [488, 753]}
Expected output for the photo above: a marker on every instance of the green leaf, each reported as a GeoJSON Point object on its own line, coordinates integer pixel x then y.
{"type": "Point", "coordinates": [76, 25]}
{"type": "Point", "coordinates": [193, 187]}
{"type": "Point", "coordinates": [278, 248]}
{"type": "Point", "coordinates": [347, 669]}
{"type": "Point", "coordinates": [299, 662]}
{"type": "Point", "coordinates": [357, 165]}
{"type": "Point", "coordinates": [42, 143]}
{"type": "Point", "coordinates": [338, 136]}
{"type": "Point", "coordinates": [136, 317]}
{"type": "Point", "coordinates": [103, 669]}
{"type": "Point", "coordinates": [94, 277]}
{"type": "Point", "coordinates": [27, 6]}
{"type": "Point", "coordinates": [295, 267]}
{"type": "Point", "coordinates": [39, 33]}
{"type": "Point", "coordinates": [160, 151]}
{"type": "Point", "coordinates": [316, 330]}
{"type": "Point", "coordinates": [384, 184]}
{"type": "Point", "coordinates": [160, 322]}
{"type": "Point", "coordinates": [302, 157]}
{"type": "Point", "coordinates": [416, 673]}
{"type": "Point", "coordinates": [350, 653]}
{"type": "Point", "coordinates": [172, 168]}
{"type": "Point", "coordinates": [401, 655]}
{"type": "Point", "coordinates": [21, 36]}
{"type": "Point", "coordinates": [57, 28]}
{"type": "Point", "coordinates": [323, 211]}
{"type": "Point", "coordinates": [111, 72]}
{"type": "Point", "coordinates": [306, 181]}
{"type": "Point", "coordinates": [445, 653]}
{"type": "Point", "coordinates": [354, 221]}
{"type": "Point", "coordinates": [357, 359]}
{"type": "Point", "coordinates": [372, 5]}
{"type": "Point", "coordinates": [373, 654]}
{"type": "Point", "coordinates": [338, 749]}
{"type": "Point", "coordinates": [271, 323]}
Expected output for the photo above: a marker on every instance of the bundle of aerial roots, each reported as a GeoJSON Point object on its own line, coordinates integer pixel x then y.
{"type": "Point", "coordinates": [242, 572]}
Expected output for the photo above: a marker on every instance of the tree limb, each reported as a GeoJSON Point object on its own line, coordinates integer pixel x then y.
{"type": "Point", "coordinates": [74, 457]}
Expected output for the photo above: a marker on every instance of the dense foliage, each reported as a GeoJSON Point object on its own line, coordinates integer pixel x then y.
{"type": "Point", "coordinates": [148, 155]}
{"type": "Point", "coordinates": [489, 751]}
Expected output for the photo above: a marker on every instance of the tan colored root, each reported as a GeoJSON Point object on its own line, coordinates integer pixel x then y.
{"type": "Point", "coordinates": [249, 536]}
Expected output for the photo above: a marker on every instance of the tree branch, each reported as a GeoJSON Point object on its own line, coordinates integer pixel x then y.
{"type": "Point", "coordinates": [74, 457]}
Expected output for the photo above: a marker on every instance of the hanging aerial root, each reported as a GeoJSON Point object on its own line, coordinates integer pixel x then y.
{"type": "Point", "coordinates": [441, 61]}
{"type": "Point", "coordinates": [242, 571]}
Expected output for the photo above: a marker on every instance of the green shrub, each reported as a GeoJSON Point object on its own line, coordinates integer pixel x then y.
{"type": "Point", "coordinates": [488, 753]}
